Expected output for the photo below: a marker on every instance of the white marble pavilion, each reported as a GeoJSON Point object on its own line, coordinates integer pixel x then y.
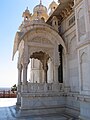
{"type": "Point", "coordinates": [54, 50]}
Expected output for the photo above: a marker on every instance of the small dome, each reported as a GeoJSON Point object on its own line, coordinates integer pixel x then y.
{"type": "Point", "coordinates": [40, 7]}
{"type": "Point", "coordinates": [26, 13]}
{"type": "Point", "coordinates": [53, 5]}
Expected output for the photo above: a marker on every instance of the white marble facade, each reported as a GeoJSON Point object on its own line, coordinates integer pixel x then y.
{"type": "Point", "coordinates": [39, 57]}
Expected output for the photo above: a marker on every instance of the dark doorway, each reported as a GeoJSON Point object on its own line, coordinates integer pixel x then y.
{"type": "Point", "coordinates": [60, 69]}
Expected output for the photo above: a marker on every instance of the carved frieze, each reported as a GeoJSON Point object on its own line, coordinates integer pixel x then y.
{"type": "Point", "coordinates": [38, 49]}
{"type": "Point", "coordinates": [41, 40]}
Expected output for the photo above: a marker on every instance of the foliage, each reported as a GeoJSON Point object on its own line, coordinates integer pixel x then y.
{"type": "Point", "coordinates": [14, 88]}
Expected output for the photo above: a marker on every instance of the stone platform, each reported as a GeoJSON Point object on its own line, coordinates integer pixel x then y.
{"type": "Point", "coordinates": [8, 112]}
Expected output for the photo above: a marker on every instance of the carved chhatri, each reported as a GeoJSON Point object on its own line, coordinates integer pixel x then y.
{"type": "Point", "coordinates": [54, 60]}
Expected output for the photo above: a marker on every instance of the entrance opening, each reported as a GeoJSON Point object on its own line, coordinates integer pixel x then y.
{"type": "Point", "coordinates": [35, 73]}
{"type": "Point", "coordinates": [60, 69]}
{"type": "Point", "coordinates": [39, 64]}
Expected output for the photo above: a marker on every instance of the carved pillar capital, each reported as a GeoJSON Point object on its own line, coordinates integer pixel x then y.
{"type": "Point", "coordinates": [19, 66]}
{"type": "Point", "coordinates": [45, 66]}
{"type": "Point", "coordinates": [25, 65]}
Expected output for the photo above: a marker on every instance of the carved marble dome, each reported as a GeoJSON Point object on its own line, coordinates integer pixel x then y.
{"type": "Point", "coordinates": [40, 12]}
{"type": "Point", "coordinates": [40, 7]}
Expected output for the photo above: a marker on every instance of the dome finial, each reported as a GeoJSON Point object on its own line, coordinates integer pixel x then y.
{"type": "Point", "coordinates": [40, 2]}
{"type": "Point", "coordinates": [27, 8]}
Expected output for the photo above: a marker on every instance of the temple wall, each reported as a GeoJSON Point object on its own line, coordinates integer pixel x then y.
{"type": "Point", "coordinates": [70, 65]}
{"type": "Point", "coordinates": [83, 45]}
{"type": "Point", "coordinates": [77, 40]}
{"type": "Point", "coordinates": [82, 12]}
{"type": "Point", "coordinates": [68, 32]}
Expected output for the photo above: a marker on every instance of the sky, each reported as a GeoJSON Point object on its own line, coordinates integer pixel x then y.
{"type": "Point", "coordinates": [10, 20]}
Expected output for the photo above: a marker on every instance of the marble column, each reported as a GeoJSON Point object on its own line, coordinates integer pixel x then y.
{"type": "Point", "coordinates": [45, 68]}
{"type": "Point", "coordinates": [45, 72]}
{"type": "Point", "coordinates": [66, 79]}
{"type": "Point", "coordinates": [56, 73]}
{"type": "Point", "coordinates": [50, 72]}
{"type": "Point", "coordinates": [19, 85]}
{"type": "Point", "coordinates": [56, 84]}
{"type": "Point", "coordinates": [24, 81]}
{"type": "Point", "coordinates": [56, 63]}
{"type": "Point", "coordinates": [19, 74]}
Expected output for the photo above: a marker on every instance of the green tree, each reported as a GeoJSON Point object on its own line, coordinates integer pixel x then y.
{"type": "Point", "coordinates": [14, 88]}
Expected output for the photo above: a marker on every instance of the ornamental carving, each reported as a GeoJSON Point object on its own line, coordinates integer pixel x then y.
{"type": "Point", "coordinates": [40, 40]}
{"type": "Point", "coordinates": [45, 50]}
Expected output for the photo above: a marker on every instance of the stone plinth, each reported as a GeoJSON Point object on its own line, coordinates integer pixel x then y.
{"type": "Point", "coordinates": [37, 99]}
{"type": "Point", "coordinates": [41, 104]}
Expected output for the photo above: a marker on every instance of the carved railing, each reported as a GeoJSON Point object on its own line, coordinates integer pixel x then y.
{"type": "Point", "coordinates": [42, 87]}
{"type": "Point", "coordinates": [7, 94]}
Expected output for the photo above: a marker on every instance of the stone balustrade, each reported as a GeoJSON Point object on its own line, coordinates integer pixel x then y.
{"type": "Point", "coordinates": [41, 87]}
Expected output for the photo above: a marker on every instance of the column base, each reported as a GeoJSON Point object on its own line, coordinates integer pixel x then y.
{"type": "Point", "coordinates": [18, 105]}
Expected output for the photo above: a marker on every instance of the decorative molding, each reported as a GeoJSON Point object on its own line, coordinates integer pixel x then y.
{"type": "Point", "coordinates": [76, 2]}
{"type": "Point", "coordinates": [48, 51]}
{"type": "Point", "coordinates": [41, 40]}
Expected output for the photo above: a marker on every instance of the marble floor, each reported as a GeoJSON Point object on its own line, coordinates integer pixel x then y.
{"type": "Point", "coordinates": [8, 112]}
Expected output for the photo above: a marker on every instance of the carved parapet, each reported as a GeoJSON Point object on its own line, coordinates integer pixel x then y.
{"type": "Point", "coordinates": [42, 87]}
{"type": "Point", "coordinates": [78, 97]}
{"type": "Point", "coordinates": [66, 11]}
{"type": "Point", "coordinates": [58, 87]}
{"type": "Point", "coordinates": [84, 98]}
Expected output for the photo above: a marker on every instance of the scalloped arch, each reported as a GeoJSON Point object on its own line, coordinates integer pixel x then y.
{"type": "Point", "coordinates": [44, 31]}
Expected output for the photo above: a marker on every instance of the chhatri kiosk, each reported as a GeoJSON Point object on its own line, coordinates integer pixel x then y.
{"type": "Point", "coordinates": [54, 60]}
{"type": "Point", "coordinates": [38, 45]}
